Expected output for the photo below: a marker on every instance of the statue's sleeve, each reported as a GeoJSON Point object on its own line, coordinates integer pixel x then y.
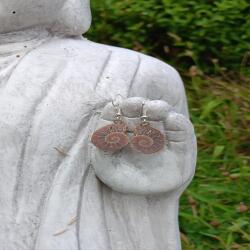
{"type": "Point", "coordinates": [156, 80]}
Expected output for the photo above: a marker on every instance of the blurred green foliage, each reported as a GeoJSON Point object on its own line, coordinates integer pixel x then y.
{"type": "Point", "coordinates": [184, 32]}
{"type": "Point", "coordinates": [208, 41]}
{"type": "Point", "coordinates": [214, 211]}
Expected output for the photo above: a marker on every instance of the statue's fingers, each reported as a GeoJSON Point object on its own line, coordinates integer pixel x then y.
{"type": "Point", "coordinates": [177, 122]}
{"type": "Point", "coordinates": [132, 107]}
{"type": "Point", "coordinates": [157, 110]}
{"type": "Point", "coordinates": [179, 131]}
{"type": "Point", "coordinates": [109, 112]}
{"type": "Point", "coordinates": [176, 136]}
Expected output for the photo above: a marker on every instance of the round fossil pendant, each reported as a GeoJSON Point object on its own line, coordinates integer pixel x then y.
{"type": "Point", "coordinates": [111, 138]}
{"type": "Point", "coordinates": [148, 140]}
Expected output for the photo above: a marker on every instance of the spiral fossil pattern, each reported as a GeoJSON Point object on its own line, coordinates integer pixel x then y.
{"type": "Point", "coordinates": [110, 138]}
{"type": "Point", "coordinates": [148, 140]}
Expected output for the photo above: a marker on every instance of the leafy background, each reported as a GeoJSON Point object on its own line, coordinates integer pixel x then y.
{"type": "Point", "coordinates": [208, 41]}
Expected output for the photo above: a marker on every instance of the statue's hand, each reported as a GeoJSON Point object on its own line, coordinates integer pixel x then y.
{"type": "Point", "coordinates": [129, 171]}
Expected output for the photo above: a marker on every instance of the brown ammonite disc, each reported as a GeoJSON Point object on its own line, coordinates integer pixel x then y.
{"type": "Point", "coordinates": [111, 138]}
{"type": "Point", "coordinates": [148, 140]}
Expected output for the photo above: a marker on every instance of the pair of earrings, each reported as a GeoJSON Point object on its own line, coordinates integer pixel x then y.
{"type": "Point", "coordinates": [113, 137]}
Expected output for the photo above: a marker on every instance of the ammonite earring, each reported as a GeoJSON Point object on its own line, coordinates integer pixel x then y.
{"type": "Point", "coordinates": [147, 139]}
{"type": "Point", "coordinates": [113, 137]}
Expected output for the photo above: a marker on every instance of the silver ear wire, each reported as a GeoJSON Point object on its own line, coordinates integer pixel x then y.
{"type": "Point", "coordinates": [116, 105]}
{"type": "Point", "coordinates": [118, 110]}
{"type": "Point", "coordinates": [121, 96]}
{"type": "Point", "coordinates": [117, 99]}
{"type": "Point", "coordinates": [144, 117]}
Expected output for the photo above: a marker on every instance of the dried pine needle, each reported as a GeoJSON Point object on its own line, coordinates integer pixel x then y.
{"type": "Point", "coordinates": [61, 232]}
{"type": "Point", "coordinates": [61, 151]}
{"type": "Point", "coordinates": [72, 221]}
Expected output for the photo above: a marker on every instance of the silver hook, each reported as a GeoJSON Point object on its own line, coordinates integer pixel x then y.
{"type": "Point", "coordinates": [115, 100]}
{"type": "Point", "coordinates": [119, 95]}
{"type": "Point", "coordinates": [118, 111]}
{"type": "Point", "coordinates": [115, 105]}
{"type": "Point", "coordinates": [144, 117]}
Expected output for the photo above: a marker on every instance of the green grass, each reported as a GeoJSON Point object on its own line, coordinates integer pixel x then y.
{"type": "Point", "coordinates": [213, 210]}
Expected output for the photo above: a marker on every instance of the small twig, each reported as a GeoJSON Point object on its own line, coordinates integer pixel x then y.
{"type": "Point", "coordinates": [61, 151]}
{"type": "Point", "coordinates": [72, 221]}
{"type": "Point", "coordinates": [61, 232]}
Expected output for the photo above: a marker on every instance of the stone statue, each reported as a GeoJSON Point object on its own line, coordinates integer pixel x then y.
{"type": "Point", "coordinates": [57, 190]}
